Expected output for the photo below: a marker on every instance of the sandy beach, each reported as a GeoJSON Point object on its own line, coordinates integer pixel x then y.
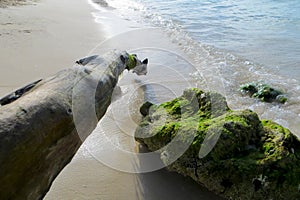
{"type": "Point", "coordinates": [41, 38]}
{"type": "Point", "coordinates": [6, 3]}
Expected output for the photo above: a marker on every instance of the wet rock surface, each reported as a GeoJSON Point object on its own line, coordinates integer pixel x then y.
{"type": "Point", "coordinates": [263, 92]}
{"type": "Point", "coordinates": [233, 153]}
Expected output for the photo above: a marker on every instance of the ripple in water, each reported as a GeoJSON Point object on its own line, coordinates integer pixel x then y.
{"type": "Point", "coordinates": [239, 27]}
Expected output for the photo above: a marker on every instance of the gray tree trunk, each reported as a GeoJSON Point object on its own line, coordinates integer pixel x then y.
{"type": "Point", "coordinates": [41, 130]}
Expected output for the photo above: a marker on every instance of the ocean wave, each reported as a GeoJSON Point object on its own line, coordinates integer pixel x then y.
{"type": "Point", "coordinates": [218, 69]}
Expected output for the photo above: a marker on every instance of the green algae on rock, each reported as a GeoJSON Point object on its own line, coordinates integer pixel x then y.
{"type": "Point", "coordinates": [263, 92]}
{"type": "Point", "coordinates": [232, 153]}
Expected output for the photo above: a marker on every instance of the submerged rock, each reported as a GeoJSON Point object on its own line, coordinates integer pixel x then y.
{"type": "Point", "coordinates": [264, 92]}
{"type": "Point", "coordinates": [232, 153]}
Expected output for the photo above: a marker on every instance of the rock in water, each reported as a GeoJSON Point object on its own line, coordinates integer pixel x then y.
{"type": "Point", "coordinates": [232, 153]}
{"type": "Point", "coordinates": [263, 92]}
{"type": "Point", "coordinates": [38, 131]}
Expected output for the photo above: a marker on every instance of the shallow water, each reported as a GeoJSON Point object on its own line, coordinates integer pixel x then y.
{"type": "Point", "coordinates": [266, 32]}
{"type": "Point", "coordinates": [215, 68]}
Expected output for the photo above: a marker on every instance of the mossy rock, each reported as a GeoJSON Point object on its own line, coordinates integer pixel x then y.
{"type": "Point", "coordinates": [263, 92]}
{"type": "Point", "coordinates": [232, 153]}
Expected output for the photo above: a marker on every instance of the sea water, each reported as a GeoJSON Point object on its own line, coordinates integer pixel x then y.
{"type": "Point", "coordinates": [264, 31]}
{"type": "Point", "coordinates": [228, 43]}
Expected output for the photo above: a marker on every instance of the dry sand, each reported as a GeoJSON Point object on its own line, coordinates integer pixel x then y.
{"type": "Point", "coordinates": [6, 3]}
{"type": "Point", "coordinates": [39, 39]}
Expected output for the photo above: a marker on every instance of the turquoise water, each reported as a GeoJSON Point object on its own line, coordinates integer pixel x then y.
{"type": "Point", "coordinates": [264, 31]}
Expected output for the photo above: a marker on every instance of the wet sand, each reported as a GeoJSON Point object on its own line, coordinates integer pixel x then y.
{"type": "Point", "coordinates": [93, 180]}
{"type": "Point", "coordinates": [97, 170]}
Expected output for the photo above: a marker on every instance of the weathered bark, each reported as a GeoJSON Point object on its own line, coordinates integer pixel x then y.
{"type": "Point", "coordinates": [38, 133]}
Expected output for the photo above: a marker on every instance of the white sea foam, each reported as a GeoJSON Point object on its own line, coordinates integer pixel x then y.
{"type": "Point", "coordinates": [217, 69]}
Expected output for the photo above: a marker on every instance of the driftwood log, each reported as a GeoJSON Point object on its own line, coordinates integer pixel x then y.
{"type": "Point", "coordinates": [38, 132]}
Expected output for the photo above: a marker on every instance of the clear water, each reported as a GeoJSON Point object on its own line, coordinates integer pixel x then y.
{"type": "Point", "coordinates": [227, 42]}
{"type": "Point", "coordinates": [264, 31]}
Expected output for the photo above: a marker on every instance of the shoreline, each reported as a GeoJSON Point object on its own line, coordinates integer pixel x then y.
{"type": "Point", "coordinates": [42, 39]}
